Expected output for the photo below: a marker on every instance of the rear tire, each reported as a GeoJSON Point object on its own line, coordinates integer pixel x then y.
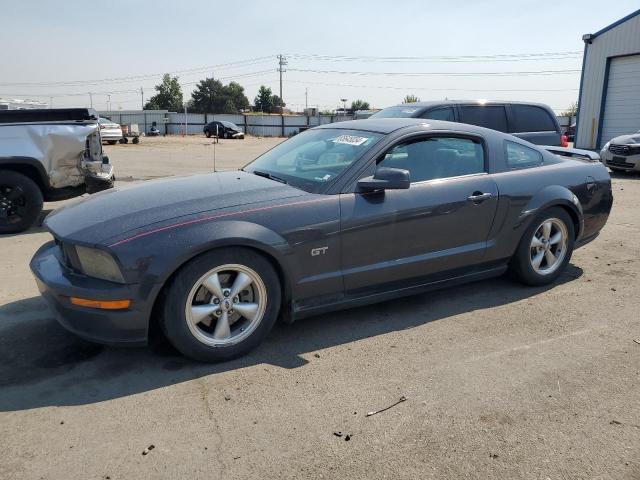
{"type": "Point", "coordinates": [20, 202]}
{"type": "Point", "coordinates": [213, 327]}
{"type": "Point", "coordinates": [550, 235]}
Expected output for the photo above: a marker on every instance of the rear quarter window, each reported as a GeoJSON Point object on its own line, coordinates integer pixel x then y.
{"type": "Point", "coordinates": [521, 156]}
{"type": "Point", "coordinates": [529, 118]}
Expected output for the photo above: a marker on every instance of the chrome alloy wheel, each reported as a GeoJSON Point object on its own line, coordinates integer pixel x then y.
{"type": "Point", "coordinates": [549, 246]}
{"type": "Point", "coordinates": [226, 305]}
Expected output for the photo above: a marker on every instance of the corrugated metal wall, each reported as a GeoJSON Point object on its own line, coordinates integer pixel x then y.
{"type": "Point", "coordinates": [623, 39]}
{"type": "Point", "coordinates": [144, 118]}
{"type": "Point", "coordinates": [257, 125]}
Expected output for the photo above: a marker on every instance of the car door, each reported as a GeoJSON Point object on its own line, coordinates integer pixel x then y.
{"type": "Point", "coordinates": [436, 227]}
{"type": "Point", "coordinates": [445, 113]}
{"type": "Point", "coordinates": [488, 116]}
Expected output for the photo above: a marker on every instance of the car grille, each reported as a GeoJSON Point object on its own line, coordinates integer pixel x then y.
{"type": "Point", "coordinates": [624, 150]}
{"type": "Point", "coordinates": [619, 161]}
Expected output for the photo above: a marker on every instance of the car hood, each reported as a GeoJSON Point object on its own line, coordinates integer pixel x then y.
{"type": "Point", "coordinates": [632, 139]}
{"type": "Point", "coordinates": [113, 213]}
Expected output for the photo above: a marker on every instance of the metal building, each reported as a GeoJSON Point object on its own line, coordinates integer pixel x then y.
{"type": "Point", "coordinates": [609, 98]}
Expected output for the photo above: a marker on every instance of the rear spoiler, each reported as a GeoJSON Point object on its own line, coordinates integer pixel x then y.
{"type": "Point", "coordinates": [573, 153]}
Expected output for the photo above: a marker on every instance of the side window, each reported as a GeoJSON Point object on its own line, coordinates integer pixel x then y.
{"type": "Point", "coordinates": [488, 116]}
{"type": "Point", "coordinates": [529, 118]}
{"type": "Point", "coordinates": [520, 156]}
{"type": "Point", "coordinates": [443, 113]}
{"type": "Point", "coordinates": [436, 157]}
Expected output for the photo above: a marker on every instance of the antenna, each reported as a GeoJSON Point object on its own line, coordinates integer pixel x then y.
{"type": "Point", "coordinates": [214, 148]}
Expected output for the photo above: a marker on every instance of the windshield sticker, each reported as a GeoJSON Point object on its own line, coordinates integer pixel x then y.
{"type": "Point", "coordinates": [351, 140]}
{"type": "Point", "coordinates": [322, 179]}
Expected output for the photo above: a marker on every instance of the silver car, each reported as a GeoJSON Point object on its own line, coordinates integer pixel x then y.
{"type": "Point", "coordinates": [622, 153]}
{"type": "Point", "coordinates": [110, 131]}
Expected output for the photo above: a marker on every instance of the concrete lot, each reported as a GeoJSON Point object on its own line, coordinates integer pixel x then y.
{"type": "Point", "coordinates": [501, 381]}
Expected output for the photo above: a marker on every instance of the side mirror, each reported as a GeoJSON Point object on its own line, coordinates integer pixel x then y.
{"type": "Point", "coordinates": [386, 179]}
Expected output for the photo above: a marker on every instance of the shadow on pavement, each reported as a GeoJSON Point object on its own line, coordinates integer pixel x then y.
{"type": "Point", "coordinates": [41, 364]}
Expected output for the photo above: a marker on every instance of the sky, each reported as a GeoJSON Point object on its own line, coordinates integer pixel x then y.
{"type": "Point", "coordinates": [377, 51]}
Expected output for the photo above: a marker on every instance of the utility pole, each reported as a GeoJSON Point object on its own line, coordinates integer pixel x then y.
{"type": "Point", "coordinates": [141, 99]}
{"type": "Point", "coordinates": [306, 99]}
{"type": "Point", "coordinates": [109, 101]}
{"type": "Point", "coordinates": [91, 99]}
{"type": "Point", "coordinates": [344, 106]}
{"type": "Point", "coordinates": [282, 61]}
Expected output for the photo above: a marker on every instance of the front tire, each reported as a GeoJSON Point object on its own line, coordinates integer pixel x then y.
{"type": "Point", "coordinates": [20, 202]}
{"type": "Point", "coordinates": [545, 248]}
{"type": "Point", "coordinates": [221, 304]}
{"type": "Point", "coordinates": [207, 133]}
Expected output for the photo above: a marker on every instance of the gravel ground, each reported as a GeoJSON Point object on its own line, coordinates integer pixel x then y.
{"type": "Point", "coordinates": [501, 381]}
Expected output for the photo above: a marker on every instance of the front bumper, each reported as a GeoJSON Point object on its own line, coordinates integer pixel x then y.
{"type": "Point", "coordinates": [98, 176]}
{"type": "Point", "coordinates": [115, 327]}
{"type": "Point", "coordinates": [629, 163]}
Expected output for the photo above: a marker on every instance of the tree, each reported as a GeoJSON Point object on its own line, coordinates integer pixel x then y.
{"type": "Point", "coordinates": [169, 96]}
{"type": "Point", "coordinates": [229, 107]}
{"type": "Point", "coordinates": [211, 96]}
{"type": "Point", "coordinates": [572, 111]}
{"type": "Point", "coordinates": [208, 96]}
{"type": "Point", "coordinates": [359, 105]}
{"type": "Point", "coordinates": [410, 99]}
{"type": "Point", "coordinates": [235, 92]}
{"type": "Point", "coordinates": [277, 102]}
{"type": "Point", "coordinates": [264, 100]}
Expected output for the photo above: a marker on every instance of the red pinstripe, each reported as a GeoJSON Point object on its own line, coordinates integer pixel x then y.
{"type": "Point", "coordinates": [213, 217]}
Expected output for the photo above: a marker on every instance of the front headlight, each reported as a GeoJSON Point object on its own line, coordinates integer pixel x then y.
{"type": "Point", "coordinates": [606, 147]}
{"type": "Point", "coordinates": [99, 264]}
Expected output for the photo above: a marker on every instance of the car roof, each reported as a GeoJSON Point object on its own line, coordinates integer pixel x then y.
{"type": "Point", "coordinates": [47, 115]}
{"type": "Point", "coordinates": [388, 125]}
{"type": "Point", "coordinates": [433, 103]}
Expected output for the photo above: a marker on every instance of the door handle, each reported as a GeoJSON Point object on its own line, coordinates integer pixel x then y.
{"type": "Point", "coordinates": [478, 197]}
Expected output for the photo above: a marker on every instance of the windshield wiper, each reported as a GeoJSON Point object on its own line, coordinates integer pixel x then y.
{"type": "Point", "coordinates": [268, 175]}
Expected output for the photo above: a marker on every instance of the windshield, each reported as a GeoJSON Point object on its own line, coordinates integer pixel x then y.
{"type": "Point", "coordinates": [313, 158]}
{"type": "Point", "coordinates": [230, 125]}
{"type": "Point", "coordinates": [399, 111]}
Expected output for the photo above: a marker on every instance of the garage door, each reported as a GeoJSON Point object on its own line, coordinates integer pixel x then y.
{"type": "Point", "coordinates": [622, 104]}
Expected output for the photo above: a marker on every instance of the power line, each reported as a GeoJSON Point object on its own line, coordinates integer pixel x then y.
{"type": "Point", "coordinates": [444, 59]}
{"type": "Point", "coordinates": [389, 87]}
{"type": "Point", "coordinates": [241, 63]}
{"type": "Point", "coordinates": [451, 74]}
{"type": "Point", "coordinates": [133, 90]}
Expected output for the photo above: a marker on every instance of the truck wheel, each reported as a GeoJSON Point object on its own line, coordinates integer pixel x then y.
{"type": "Point", "coordinates": [221, 304]}
{"type": "Point", "coordinates": [20, 202]}
{"type": "Point", "coordinates": [545, 248]}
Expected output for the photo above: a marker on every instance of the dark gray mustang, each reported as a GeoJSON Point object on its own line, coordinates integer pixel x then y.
{"type": "Point", "coordinates": [341, 215]}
